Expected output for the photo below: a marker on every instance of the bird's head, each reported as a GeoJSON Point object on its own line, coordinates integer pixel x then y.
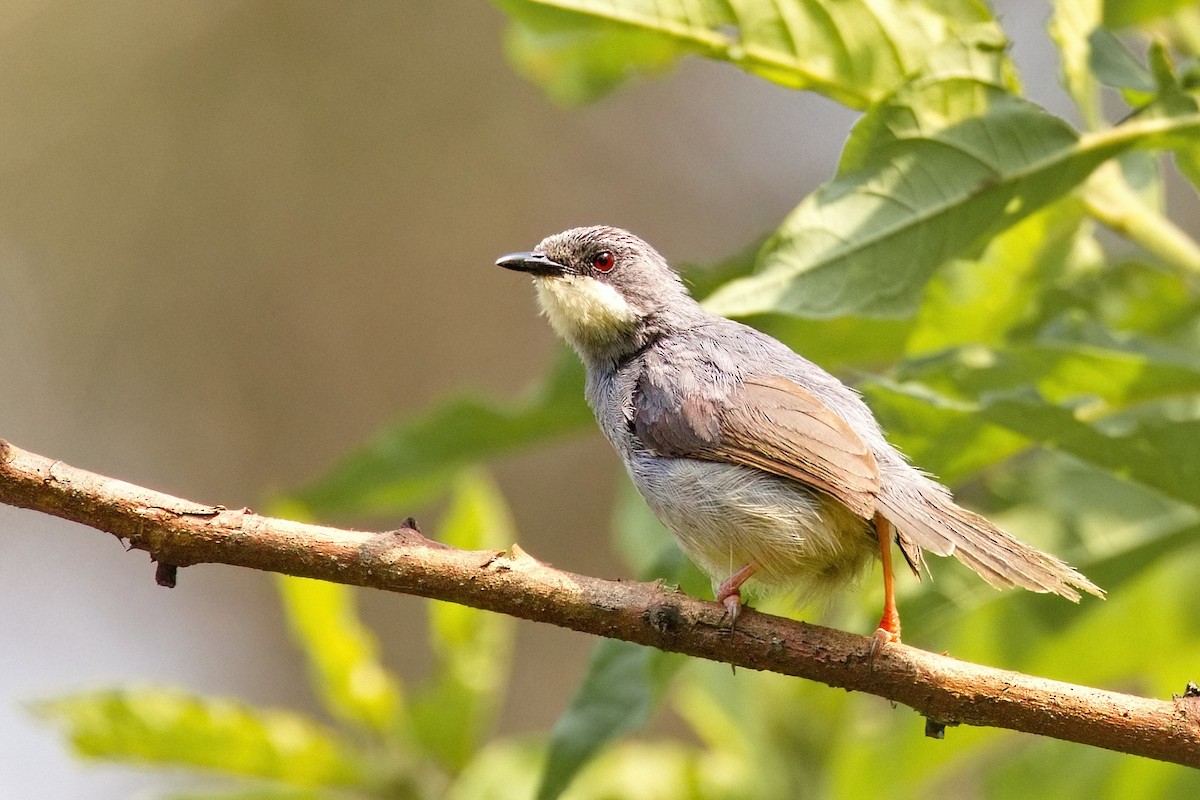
{"type": "Point", "coordinates": [604, 290]}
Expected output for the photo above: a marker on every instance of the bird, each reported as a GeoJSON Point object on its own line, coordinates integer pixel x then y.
{"type": "Point", "coordinates": [762, 465]}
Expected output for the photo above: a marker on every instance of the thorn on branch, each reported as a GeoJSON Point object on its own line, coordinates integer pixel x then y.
{"type": "Point", "coordinates": [410, 533]}
{"type": "Point", "coordinates": [165, 574]}
{"type": "Point", "coordinates": [935, 729]}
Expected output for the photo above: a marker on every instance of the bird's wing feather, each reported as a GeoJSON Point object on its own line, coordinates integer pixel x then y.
{"type": "Point", "coordinates": [766, 422]}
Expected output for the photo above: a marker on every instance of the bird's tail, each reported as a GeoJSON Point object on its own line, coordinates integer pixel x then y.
{"type": "Point", "coordinates": [925, 514]}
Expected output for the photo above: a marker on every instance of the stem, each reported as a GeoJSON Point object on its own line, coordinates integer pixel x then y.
{"type": "Point", "coordinates": [1110, 200]}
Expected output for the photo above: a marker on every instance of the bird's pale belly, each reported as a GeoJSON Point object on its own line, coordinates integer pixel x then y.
{"type": "Point", "coordinates": [726, 516]}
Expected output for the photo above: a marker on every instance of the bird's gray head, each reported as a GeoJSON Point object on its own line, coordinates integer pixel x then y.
{"type": "Point", "coordinates": [604, 290]}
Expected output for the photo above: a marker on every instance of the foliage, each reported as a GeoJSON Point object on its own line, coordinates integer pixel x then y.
{"type": "Point", "coordinates": [955, 265]}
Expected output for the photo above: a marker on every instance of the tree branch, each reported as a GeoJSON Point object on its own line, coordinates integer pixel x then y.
{"type": "Point", "coordinates": [179, 533]}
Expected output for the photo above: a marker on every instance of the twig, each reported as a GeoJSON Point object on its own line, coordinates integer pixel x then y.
{"type": "Point", "coordinates": [179, 533]}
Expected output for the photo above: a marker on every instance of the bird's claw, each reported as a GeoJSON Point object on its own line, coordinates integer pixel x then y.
{"type": "Point", "coordinates": [733, 608]}
{"type": "Point", "coordinates": [729, 594]}
{"type": "Point", "coordinates": [881, 638]}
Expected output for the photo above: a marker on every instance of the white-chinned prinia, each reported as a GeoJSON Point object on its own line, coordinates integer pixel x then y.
{"type": "Point", "coordinates": [762, 464]}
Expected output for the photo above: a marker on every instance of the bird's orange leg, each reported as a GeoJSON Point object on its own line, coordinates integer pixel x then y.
{"type": "Point", "coordinates": [729, 592]}
{"type": "Point", "coordinates": [889, 623]}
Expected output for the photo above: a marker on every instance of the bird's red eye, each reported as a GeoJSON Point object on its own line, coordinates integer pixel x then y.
{"type": "Point", "coordinates": [603, 261]}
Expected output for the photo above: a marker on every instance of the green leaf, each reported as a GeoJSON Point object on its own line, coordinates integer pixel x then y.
{"type": "Point", "coordinates": [621, 688]}
{"type": "Point", "coordinates": [473, 648]}
{"type": "Point", "coordinates": [506, 769]}
{"type": "Point", "coordinates": [1187, 159]}
{"type": "Point", "coordinates": [1153, 449]}
{"type": "Point", "coordinates": [982, 301]}
{"type": "Point", "coordinates": [1113, 65]}
{"type": "Point", "coordinates": [576, 64]}
{"type": "Point", "coordinates": [1130, 411]}
{"type": "Point", "coordinates": [414, 459]}
{"type": "Point", "coordinates": [840, 343]}
{"type": "Point", "coordinates": [942, 436]}
{"type": "Point", "coordinates": [174, 727]}
{"type": "Point", "coordinates": [343, 655]}
{"type": "Point", "coordinates": [1154, 445]}
{"type": "Point", "coordinates": [867, 242]}
{"type": "Point", "coordinates": [1062, 372]}
{"type": "Point", "coordinates": [854, 51]}
{"type": "Point", "coordinates": [1177, 96]}
{"type": "Point", "coordinates": [1122, 307]}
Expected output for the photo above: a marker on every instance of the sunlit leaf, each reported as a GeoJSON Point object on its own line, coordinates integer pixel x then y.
{"type": "Point", "coordinates": [839, 345]}
{"type": "Point", "coordinates": [1073, 27]}
{"type": "Point", "coordinates": [579, 63]}
{"type": "Point", "coordinates": [1152, 444]}
{"type": "Point", "coordinates": [472, 647]}
{"type": "Point", "coordinates": [854, 51]}
{"type": "Point", "coordinates": [505, 769]}
{"type": "Point", "coordinates": [660, 770]}
{"type": "Point", "coordinates": [941, 436]}
{"type": "Point", "coordinates": [1188, 161]}
{"type": "Point", "coordinates": [982, 301]}
{"type": "Point", "coordinates": [753, 733]}
{"type": "Point", "coordinates": [343, 655]}
{"type": "Point", "coordinates": [868, 242]}
{"type": "Point", "coordinates": [416, 457]}
{"type": "Point", "coordinates": [173, 727]}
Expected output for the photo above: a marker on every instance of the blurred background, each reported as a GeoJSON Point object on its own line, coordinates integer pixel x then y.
{"type": "Point", "coordinates": [237, 238]}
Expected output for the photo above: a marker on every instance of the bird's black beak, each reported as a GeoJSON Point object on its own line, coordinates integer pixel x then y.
{"type": "Point", "coordinates": [533, 263]}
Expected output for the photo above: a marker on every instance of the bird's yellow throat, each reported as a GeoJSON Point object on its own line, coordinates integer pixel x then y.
{"type": "Point", "coordinates": [585, 311]}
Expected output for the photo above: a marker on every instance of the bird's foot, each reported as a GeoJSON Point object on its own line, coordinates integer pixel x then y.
{"type": "Point", "coordinates": [729, 594]}
{"type": "Point", "coordinates": [883, 637]}
{"type": "Point", "coordinates": [888, 631]}
{"type": "Point", "coordinates": [733, 608]}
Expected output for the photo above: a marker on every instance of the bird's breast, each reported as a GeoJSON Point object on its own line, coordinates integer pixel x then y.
{"type": "Point", "coordinates": [726, 516]}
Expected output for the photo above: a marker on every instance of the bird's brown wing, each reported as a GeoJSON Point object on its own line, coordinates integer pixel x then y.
{"type": "Point", "coordinates": [769, 423]}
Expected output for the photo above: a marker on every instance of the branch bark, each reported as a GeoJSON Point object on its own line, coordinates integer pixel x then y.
{"type": "Point", "coordinates": [180, 533]}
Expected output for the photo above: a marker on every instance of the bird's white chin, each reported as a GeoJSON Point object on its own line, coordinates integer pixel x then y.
{"type": "Point", "coordinates": [592, 316]}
